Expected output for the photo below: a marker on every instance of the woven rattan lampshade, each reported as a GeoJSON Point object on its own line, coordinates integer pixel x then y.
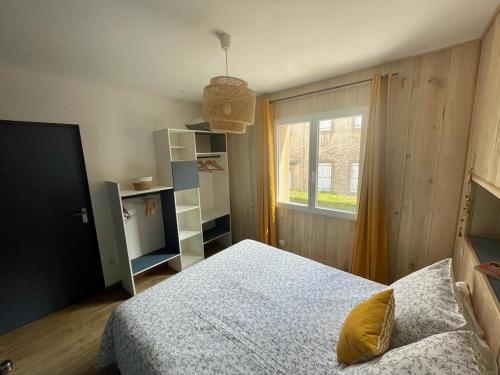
{"type": "Point", "coordinates": [228, 104]}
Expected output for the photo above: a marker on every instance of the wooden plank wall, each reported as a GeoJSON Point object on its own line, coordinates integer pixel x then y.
{"type": "Point", "coordinates": [484, 147]}
{"type": "Point", "coordinates": [485, 139]}
{"type": "Point", "coordinates": [440, 113]}
{"type": "Point", "coordinates": [242, 160]}
{"type": "Point", "coordinates": [430, 113]}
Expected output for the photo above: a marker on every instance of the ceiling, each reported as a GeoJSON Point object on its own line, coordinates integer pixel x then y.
{"type": "Point", "coordinates": [168, 47]}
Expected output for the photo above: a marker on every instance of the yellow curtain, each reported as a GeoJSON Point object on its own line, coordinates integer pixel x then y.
{"type": "Point", "coordinates": [266, 226]}
{"type": "Point", "coordinates": [370, 257]}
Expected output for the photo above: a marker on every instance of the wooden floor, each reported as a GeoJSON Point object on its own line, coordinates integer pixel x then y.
{"type": "Point", "coordinates": [66, 341]}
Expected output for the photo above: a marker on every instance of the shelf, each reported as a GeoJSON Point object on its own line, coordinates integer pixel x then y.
{"type": "Point", "coordinates": [208, 154]}
{"type": "Point", "coordinates": [150, 260]}
{"type": "Point", "coordinates": [189, 260]}
{"type": "Point", "coordinates": [185, 208]}
{"type": "Point", "coordinates": [185, 234]}
{"type": "Point", "coordinates": [214, 233]}
{"type": "Point", "coordinates": [178, 147]}
{"type": "Point", "coordinates": [209, 215]}
{"type": "Point", "coordinates": [183, 160]}
{"type": "Point", "coordinates": [487, 249]}
{"type": "Point", "coordinates": [140, 193]}
{"type": "Point", "coordinates": [495, 190]}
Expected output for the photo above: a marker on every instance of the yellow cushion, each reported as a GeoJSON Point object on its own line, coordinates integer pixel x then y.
{"type": "Point", "coordinates": [367, 329]}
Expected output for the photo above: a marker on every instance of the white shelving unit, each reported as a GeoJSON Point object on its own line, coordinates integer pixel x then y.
{"type": "Point", "coordinates": [214, 190]}
{"type": "Point", "coordinates": [201, 198]}
{"type": "Point", "coordinates": [143, 241]}
{"type": "Point", "coordinates": [186, 208]}
{"type": "Point", "coordinates": [209, 154]}
{"type": "Point", "coordinates": [209, 215]}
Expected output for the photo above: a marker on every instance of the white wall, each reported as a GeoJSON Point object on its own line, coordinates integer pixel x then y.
{"type": "Point", "coordinates": [116, 128]}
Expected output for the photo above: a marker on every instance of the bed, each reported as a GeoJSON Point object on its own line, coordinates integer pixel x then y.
{"type": "Point", "coordinates": [250, 309]}
{"type": "Point", "coordinates": [254, 309]}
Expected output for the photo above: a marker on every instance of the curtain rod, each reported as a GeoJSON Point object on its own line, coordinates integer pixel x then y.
{"type": "Point", "coordinates": [328, 89]}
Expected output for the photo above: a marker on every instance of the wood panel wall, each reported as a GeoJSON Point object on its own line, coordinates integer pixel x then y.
{"type": "Point", "coordinates": [485, 139]}
{"type": "Point", "coordinates": [442, 97]}
{"type": "Point", "coordinates": [242, 151]}
{"type": "Point", "coordinates": [483, 160]}
{"type": "Point", "coordinates": [431, 102]}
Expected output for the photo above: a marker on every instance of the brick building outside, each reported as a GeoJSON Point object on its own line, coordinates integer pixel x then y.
{"type": "Point", "coordinates": [338, 161]}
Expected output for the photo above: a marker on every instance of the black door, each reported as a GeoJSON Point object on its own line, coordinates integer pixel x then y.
{"type": "Point", "coordinates": [48, 247]}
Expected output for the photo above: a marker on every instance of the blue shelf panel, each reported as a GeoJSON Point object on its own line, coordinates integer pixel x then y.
{"type": "Point", "coordinates": [185, 174]}
{"type": "Point", "coordinates": [150, 260]}
{"type": "Point", "coordinates": [487, 249]}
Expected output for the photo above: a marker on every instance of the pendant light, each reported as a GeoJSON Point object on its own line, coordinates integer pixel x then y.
{"type": "Point", "coordinates": [228, 103]}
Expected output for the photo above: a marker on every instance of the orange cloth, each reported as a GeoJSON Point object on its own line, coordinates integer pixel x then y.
{"type": "Point", "coordinates": [370, 256]}
{"type": "Point", "coordinates": [266, 227]}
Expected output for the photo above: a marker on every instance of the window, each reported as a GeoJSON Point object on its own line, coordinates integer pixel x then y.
{"type": "Point", "coordinates": [318, 162]}
{"type": "Point", "coordinates": [293, 163]}
{"type": "Point", "coordinates": [325, 134]}
{"type": "Point", "coordinates": [358, 122]}
{"type": "Point", "coordinates": [324, 177]}
{"type": "Point", "coordinates": [353, 179]}
{"type": "Point", "coordinates": [325, 125]}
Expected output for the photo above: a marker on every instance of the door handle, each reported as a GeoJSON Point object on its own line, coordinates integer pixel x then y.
{"type": "Point", "coordinates": [83, 214]}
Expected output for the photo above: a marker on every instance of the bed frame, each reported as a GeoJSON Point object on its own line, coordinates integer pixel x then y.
{"type": "Point", "coordinates": [485, 303]}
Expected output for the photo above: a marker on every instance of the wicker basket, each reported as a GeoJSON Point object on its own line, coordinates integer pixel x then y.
{"type": "Point", "coordinates": [143, 183]}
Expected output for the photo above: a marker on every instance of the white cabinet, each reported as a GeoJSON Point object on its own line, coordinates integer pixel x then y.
{"type": "Point", "coordinates": [143, 241]}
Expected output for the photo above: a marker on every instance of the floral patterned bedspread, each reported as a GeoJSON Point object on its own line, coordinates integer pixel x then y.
{"type": "Point", "coordinates": [250, 309]}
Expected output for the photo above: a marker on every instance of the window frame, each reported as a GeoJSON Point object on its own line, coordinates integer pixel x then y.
{"type": "Point", "coordinates": [290, 121]}
{"type": "Point", "coordinates": [313, 119]}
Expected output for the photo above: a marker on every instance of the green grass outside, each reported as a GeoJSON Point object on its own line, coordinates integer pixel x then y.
{"type": "Point", "coordinates": [327, 199]}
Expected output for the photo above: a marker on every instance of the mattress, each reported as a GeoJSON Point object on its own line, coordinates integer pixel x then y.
{"type": "Point", "coordinates": [250, 309]}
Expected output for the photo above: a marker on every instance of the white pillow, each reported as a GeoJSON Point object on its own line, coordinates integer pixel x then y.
{"type": "Point", "coordinates": [462, 296]}
{"type": "Point", "coordinates": [454, 352]}
{"type": "Point", "coordinates": [425, 304]}
{"type": "Point", "coordinates": [487, 359]}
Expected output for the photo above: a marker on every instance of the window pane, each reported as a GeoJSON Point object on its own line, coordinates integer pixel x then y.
{"type": "Point", "coordinates": [354, 177]}
{"type": "Point", "coordinates": [340, 151]}
{"type": "Point", "coordinates": [324, 177]}
{"type": "Point", "coordinates": [358, 121]}
{"type": "Point", "coordinates": [293, 163]}
{"type": "Point", "coordinates": [325, 125]}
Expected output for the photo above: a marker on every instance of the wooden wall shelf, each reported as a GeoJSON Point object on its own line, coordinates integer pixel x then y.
{"type": "Point", "coordinates": [486, 185]}
{"type": "Point", "coordinates": [484, 300]}
{"type": "Point", "coordinates": [487, 249]}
